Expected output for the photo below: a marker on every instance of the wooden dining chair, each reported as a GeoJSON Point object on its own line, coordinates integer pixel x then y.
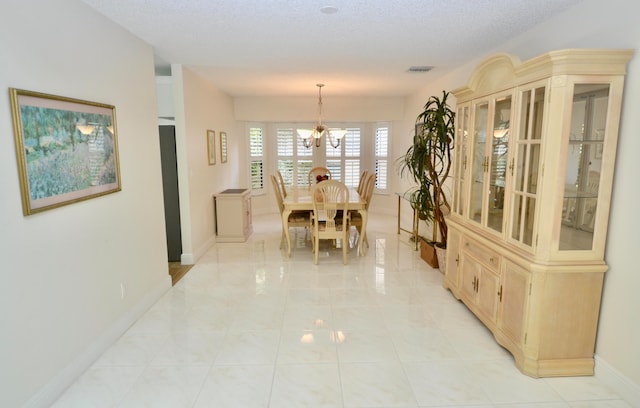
{"type": "Point", "coordinates": [318, 171]}
{"type": "Point", "coordinates": [330, 197]}
{"type": "Point", "coordinates": [296, 218]}
{"type": "Point", "coordinates": [356, 217]}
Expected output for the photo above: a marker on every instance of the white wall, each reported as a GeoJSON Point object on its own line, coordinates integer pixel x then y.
{"type": "Point", "coordinates": [60, 298]}
{"type": "Point", "coordinates": [200, 106]}
{"type": "Point", "coordinates": [164, 91]}
{"type": "Point", "coordinates": [305, 109]}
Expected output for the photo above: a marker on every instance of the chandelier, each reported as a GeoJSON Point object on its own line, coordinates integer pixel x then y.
{"type": "Point", "coordinates": [313, 136]}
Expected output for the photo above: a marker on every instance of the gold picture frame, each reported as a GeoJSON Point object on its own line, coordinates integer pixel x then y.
{"type": "Point", "coordinates": [223, 147]}
{"type": "Point", "coordinates": [67, 149]}
{"type": "Point", "coordinates": [211, 146]}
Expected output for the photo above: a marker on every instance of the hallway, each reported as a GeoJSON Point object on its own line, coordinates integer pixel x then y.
{"type": "Point", "coordinates": [247, 327]}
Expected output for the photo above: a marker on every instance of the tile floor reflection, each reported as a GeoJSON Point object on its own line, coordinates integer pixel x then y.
{"type": "Point", "coordinates": [248, 327]}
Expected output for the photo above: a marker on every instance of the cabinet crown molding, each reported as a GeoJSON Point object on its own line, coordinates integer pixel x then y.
{"type": "Point", "coordinates": [503, 71]}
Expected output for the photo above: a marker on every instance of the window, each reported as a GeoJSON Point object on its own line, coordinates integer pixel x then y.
{"type": "Point", "coordinates": [293, 160]}
{"type": "Point", "coordinates": [381, 157]}
{"type": "Point", "coordinates": [344, 161]}
{"type": "Point", "coordinates": [256, 153]}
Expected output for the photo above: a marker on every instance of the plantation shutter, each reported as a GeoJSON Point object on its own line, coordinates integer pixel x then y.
{"type": "Point", "coordinates": [256, 152]}
{"type": "Point", "coordinates": [381, 157]}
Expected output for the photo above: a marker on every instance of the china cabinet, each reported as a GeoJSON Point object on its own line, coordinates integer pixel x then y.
{"type": "Point", "coordinates": [233, 215]}
{"type": "Point", "coordinates": [533, 169]}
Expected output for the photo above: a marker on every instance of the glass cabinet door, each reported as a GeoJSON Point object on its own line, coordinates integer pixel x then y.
{"type": "Point", "coordinates": [479, 160]}
{"type": "Point", "coordinates": [584, 164]}
{"type": "Point", "coordinates": [462, 134]}
{"type": "Point", "coordinates": [526, 163]}
{"type": "Point", "coordinates": [498, 162]}
{"type": "Point", "coordinates": [491, 128]}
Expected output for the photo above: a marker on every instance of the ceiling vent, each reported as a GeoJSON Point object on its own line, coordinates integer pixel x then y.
{"type": "Point", "coordinates": [420, 68]}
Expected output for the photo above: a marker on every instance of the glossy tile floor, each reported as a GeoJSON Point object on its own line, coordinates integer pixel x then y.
{"type": "Point", "coordinates": [247, 327]}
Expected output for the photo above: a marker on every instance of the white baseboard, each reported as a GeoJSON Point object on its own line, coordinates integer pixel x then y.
{"type": "Point", "coordinates": [619, 383]}
{"type": "Point", "coordinates": [187, 259]}
{"type": "Point", "coordinates": [204, 247]}
{"type": "Point", "coordinates": [192, 258]}
{"type": "Point", "coordinates": [65, 378]}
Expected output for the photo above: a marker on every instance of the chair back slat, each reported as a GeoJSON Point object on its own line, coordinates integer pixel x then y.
{"type": "Point", "coordinates": [329, 198]}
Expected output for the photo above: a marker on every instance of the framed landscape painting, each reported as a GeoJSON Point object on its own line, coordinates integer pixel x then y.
{"type": "Point", "coordinates": [67, 149]}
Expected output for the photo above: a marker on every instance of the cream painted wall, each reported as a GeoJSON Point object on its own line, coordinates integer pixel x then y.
{"type": "Point", "coordinates": [62, 270]}
{"type": "Point", "coordinates": [201, 106]}
{"type": "Point", "coordinates": [334, 108]}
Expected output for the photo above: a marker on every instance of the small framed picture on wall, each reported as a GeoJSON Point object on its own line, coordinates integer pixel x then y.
{"type": "Point", "coordinates": [211, 146]}
{"type": "Point", "coordinates": [223, 147]}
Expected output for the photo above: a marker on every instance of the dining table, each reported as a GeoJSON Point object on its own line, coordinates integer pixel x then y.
{"type": "Point", "coordinates": [300, 199]}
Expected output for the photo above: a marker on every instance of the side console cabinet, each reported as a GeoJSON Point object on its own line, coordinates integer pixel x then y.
{"type": "Point", "coordinates": [534, 159]}
{"type": "Point", "coordinates": [233, 215]}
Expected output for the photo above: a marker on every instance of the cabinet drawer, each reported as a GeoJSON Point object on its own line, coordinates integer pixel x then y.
{"type": "Point", "coordinates": [485, 255]}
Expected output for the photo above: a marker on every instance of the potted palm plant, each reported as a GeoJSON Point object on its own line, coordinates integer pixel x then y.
{"type": "Point", "coordinates": [428, 163]}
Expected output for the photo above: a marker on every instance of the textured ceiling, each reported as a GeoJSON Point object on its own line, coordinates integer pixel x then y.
{"type": "Point", "coordinates": [285, 47]}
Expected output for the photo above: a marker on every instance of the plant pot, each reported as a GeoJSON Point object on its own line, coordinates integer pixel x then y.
{"type": "Point", "coordinates": [428, 253]}
{"type": "Point", "coordinates": [441, 253]}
